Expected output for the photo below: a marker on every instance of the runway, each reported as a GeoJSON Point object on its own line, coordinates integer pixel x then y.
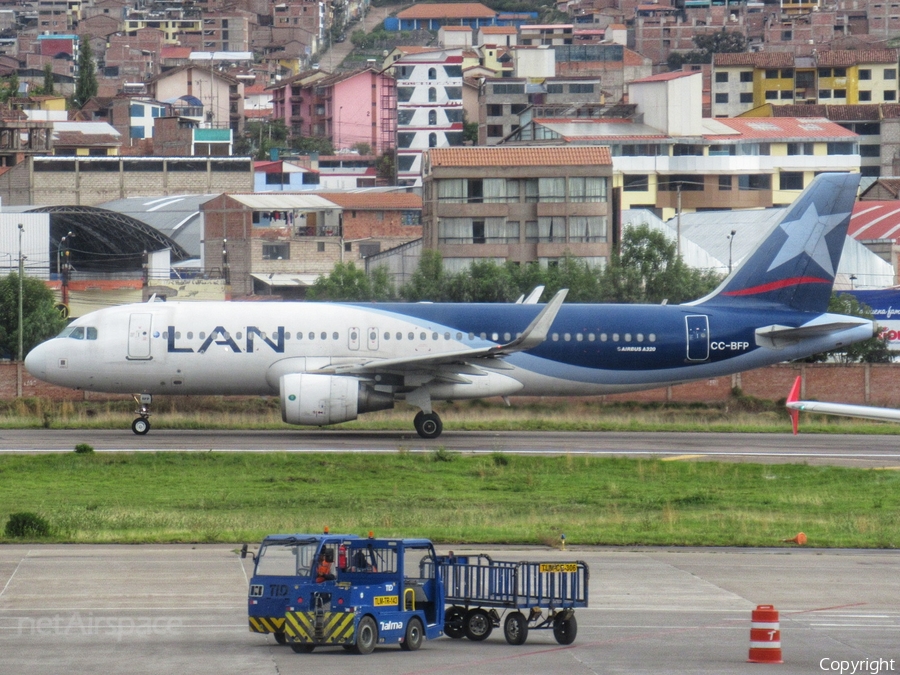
{"type": "Point", "coordinates": [182, 609]}
{"type": "Point", "coordinates": [869, 451]}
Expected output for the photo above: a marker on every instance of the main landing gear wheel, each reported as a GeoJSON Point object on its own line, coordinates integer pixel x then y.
{"type": "Point", "coordinates": [428, 425]}
{"type": "Point", "coordinates": [140, 426]}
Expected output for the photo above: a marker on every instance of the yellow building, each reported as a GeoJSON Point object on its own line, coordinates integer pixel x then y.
{"type": "Point", "coordinates": [747, 80]}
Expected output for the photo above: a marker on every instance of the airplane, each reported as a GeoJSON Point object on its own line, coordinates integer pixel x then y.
{"type": "Point", "coordinates": [795, 406]}
{"type": "Point", "coordinates": [331, 362]}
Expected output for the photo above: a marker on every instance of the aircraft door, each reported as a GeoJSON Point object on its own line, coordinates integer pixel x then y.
{"type": "Point", "coordinates": [372, 339]}
{"type": "Point", "coordinates": [139, 336]}
{"type": "Point", "coordinates": [697, 337]}
{"type": "Point", "coordinates": [353, 338]}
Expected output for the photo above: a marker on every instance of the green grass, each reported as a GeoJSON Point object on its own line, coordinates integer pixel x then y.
{"type": "Point", "coordinates": [450, 498]}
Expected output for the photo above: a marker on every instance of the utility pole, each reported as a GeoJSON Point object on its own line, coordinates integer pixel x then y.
{"type": "Point", "coordinates": [21, 313]}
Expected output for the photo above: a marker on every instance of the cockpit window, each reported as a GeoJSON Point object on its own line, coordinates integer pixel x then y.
{"type": "Point", "coordinates": [79, 333]}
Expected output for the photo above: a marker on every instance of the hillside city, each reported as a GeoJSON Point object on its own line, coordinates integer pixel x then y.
{"type": "Point", "coordinates": [244, 148]}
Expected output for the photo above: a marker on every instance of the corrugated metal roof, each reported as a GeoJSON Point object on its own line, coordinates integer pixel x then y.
{"type": "Point", "coordinates": [284, 201]}
{"type": "Point", "coordinates": [785, 128]}
{"type": "Point", "coordinates": [876, 220]}
{"type": "Point", "coordinates": [448, 10]}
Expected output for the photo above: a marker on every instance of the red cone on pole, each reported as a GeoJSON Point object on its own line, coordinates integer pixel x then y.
{"type": "Point", "coordinates": [765, 636]}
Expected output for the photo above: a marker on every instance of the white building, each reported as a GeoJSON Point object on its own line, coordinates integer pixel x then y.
{"type": "Point", "coordinates": [429, 108]}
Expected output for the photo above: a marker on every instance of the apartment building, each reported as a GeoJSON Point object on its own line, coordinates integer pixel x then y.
{"type": "Point", "coordinates": [523, 204]}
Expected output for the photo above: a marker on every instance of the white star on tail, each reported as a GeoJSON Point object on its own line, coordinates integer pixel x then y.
{"type": "Point", "coordinates": [807, 235]}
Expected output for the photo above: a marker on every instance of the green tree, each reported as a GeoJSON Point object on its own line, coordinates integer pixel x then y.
{"type": "Point", "coordinates": [873, 350]}
{"type": "Point", "coordinates": [48, 88]}
{"type": "Point", "coordinates": [307, 144]}
{"type": "Point", "coordinates": [347, 282]}
{"type": "Point", "coordinates": [429, 281]}
{"type": "Point", "coordinates": [362, 148]}
{"type": "Point", "coordinates": [260, 137]}
{"type": "Point", "coordinates": [384, 167]}
{"type": "Point", "coordinates": [9, 87]}
{"type": "Point", "coordinates": [720, 42]}
{"type": "Point", "coordinates": [40, 318]}
{"type": "Point", "coordinates": [582, 280]}
{"type": "Point", "coordinates": [646, 268]}
{"type": "Point", "coordinates": [86, 80]}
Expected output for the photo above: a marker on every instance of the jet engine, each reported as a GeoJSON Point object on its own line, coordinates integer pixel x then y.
{"type": "Point", "coordinates": [328, 399]}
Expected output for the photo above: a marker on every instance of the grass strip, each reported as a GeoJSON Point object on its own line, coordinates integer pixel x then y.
{"type": "Point", "coordinates": [450, 498]}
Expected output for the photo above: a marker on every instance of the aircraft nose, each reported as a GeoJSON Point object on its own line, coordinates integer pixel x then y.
{"type": "Point", "coordinates": [36, 362]}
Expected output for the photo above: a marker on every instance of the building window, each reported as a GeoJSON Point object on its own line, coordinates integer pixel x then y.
{"type": "Point", "coordinates": [840, 72]}
{"type": "Point", "coordinates": [277, 251]}
{"type": "Point", "coordinates": [840, 93]}
{"type": "Point", "coordinates": [432, 73]}
{"type": "Point", "coordinates": [870, 151]}
{"type": "Point", "coordinates": [865, 74]}
{"type": "Point", "coordinates": [432, 140]}
{"type": "Point", "coordinates": [478, 232]}
{"type": "Point", "coordinates": [772, 74]}
{"type": "Point", "coordinates": [755, 182]}
{"type": "Point", "coordinates": [841, 148]}
{"type": "Point", "coordinates": [495, 110]}
{"type": "Point", "coordinates": [747, 97]}
{"type": "Point", "coordinates": [554, 89]}
{"type": "Point", "coordinates": [494, 130]}
{"type": "Point", "coordinates": [771, 94]}
{"type": "Point", "coordinates": [581, 88]}
{"type": "Point", "coordinates": [587, 189]}
{"type": "Point", "coordinates": [800, 148]}
{"type": "Point", "coordinates": [890, 73]}
{"type": "Point", "coordinates": [721, 77]}
{"type": "Point", "coordinates": [865, 96]}
{"type": "Point", "coordinates": [790, 180]}
{"type": "Point", "coordinates": [787, 94]}
{"type": "Point", "coordinates": [320, 246]}
{"type": "Point", "coordinates": [638, 183]}
{"type": "Point", "coordinates": [721, 98]}
{"type": "Point", "coordinates": [787, 35]}
{"type": "Point", "coordinates": [432, 95]}
{"type": "Point", "coordinates": [552, 189]}
{"type": "Point", "coordinates": [725, 183]}
{"type": "Point", "coordinates": [824, 93]}
{"type": "Point", "coordinates": [747, 76]}
{"type": "Point", "coordinates": [432, 117]}
{"type": "Point", "coordinates": [890, 95]}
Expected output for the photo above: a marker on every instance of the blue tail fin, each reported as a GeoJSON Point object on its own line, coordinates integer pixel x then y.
{"type": "Point", "coordinates": [795, 264]}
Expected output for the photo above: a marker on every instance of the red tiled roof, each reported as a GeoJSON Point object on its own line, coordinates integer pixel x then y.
{"type": "Point", "coordinates": [374, 200]}
{"type": "Point", "coordinates": [632, 58]}
{"type": "Point", "coordinates": [520, 156]}
{"type": "Point", "coordinates": [755, 59]}
{"type": "Point", "coordinates": [892, 185]}
{"type": "Point", "coordinates": [258, 114]}
{"type": "Point", "coordinates": [847, 57]}
{"type": "Point", "coordinates": [783, 128]}
{"type": "Point", "coordinates": [499, 30]}
{"type": "Point", "coordinates": [175, 53]}
{"type": "Point", "coordinates": [875, 220]}
{"type": "Point", "coordinates": [448, 10]}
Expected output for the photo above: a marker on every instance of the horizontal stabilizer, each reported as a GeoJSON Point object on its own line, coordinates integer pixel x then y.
{"type": "Point", "coordinates": [779, 337]}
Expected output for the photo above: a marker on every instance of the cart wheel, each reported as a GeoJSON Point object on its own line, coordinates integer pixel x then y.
{"type": "Point", "coordinates": [565, 630]}
{"type": "Point", "coordinates": [414, 636]}
{"type": "Point", "coordinates": [455, 623]}
{"type": "Point", "coordinates": [515, 628]}
{"type": "Point", "coordinates": [366, 636]}
{"type": "Point", "coordinates": [478, 625]}
{"type": "Point", "coordinates": [280, 637]}
{"type": "Point", "coordinates": [300, 648]}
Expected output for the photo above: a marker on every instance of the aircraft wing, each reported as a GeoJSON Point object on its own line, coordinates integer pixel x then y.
{"type": "Point", "coordinates": [531, 337]}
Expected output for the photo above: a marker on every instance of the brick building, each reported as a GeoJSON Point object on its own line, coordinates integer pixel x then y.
{"type": "Point", "coordinates": [280, 243]}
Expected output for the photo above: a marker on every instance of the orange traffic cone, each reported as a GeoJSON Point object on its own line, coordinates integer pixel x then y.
{"type": "Point", "coordinates": [765, 636]}
{"type": "Point", "coordinates": [800, 539]}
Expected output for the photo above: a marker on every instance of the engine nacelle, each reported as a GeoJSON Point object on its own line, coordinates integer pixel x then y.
{"type": "Point", "coordinates": [327, 399]}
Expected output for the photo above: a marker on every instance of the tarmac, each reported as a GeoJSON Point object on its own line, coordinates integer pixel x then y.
{"type": "Point", "coordinates": [182, 609]}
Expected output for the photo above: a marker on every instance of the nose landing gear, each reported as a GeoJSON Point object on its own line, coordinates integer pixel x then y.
{"type": "Point", "coordinates": [141, 425]}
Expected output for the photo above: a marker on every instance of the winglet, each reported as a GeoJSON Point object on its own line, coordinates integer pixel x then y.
{"type": "Point", "coordinates": [793, 412]}
{"type": "Point", "coordinates": [534, 296]}
{"type": "Point", "coordinates": [537, 330]}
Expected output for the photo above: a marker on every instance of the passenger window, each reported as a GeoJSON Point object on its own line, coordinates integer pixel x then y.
{"type": "Point", "coordinates": [591, 337]}
{"type": "Point", "coordinates": [399, 335]}
{"type": "Point", "coordinates": [387, 336]}
{"type": "Point", "coordinates": [615, 337]}
{"type": "Point", "coordinates": [412, 336]}
{"type": "Point", "coordinates": [299, 335]}
{"type": "Point", "coordinates": [567, 337]}
{"type": "Point", "coordinates": [555, 337]}
{"type": "Point", "coordinates": [434, 336]}
{"type": "Point", "coordinates": [91, 333]}
{"type": "Point", "coordinates": [422, 336]}
{"type": "Point", "coordinates": [312, 336]}
{"type": "Point", "coordinates": [579, 337]}
{"type": "Point", "coordinates": [334, 335]}
{"type": "Point", "coordinates": [324, 335]}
